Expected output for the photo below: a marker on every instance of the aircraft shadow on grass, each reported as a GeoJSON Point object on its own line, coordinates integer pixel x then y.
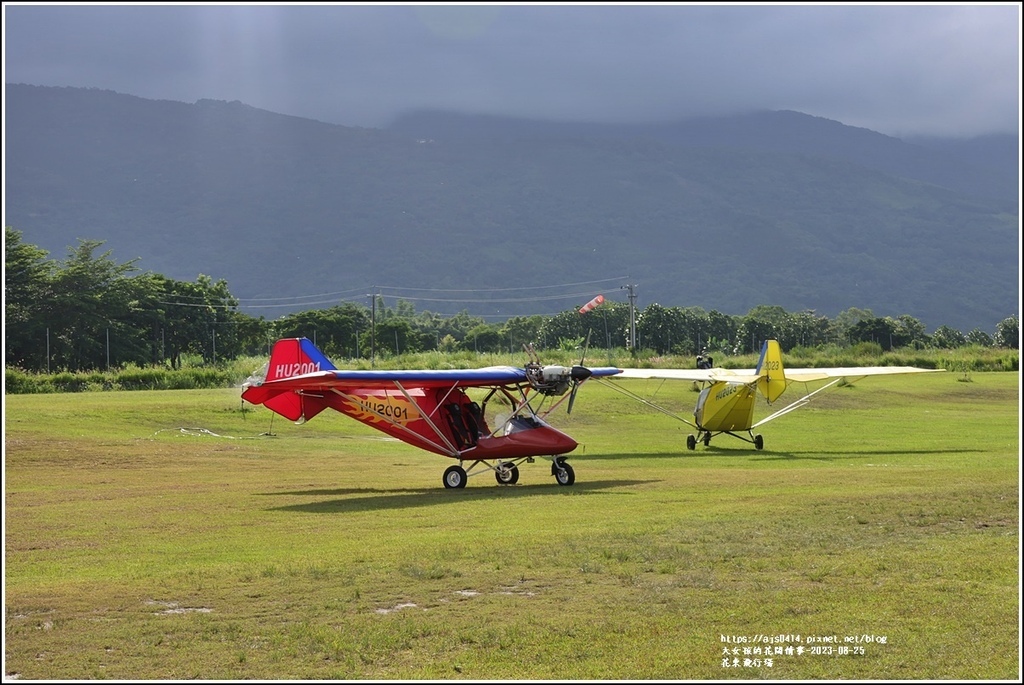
{"type": "Point", "coordinates": [379, 499]}
{"type": "Point", "coordinates": [860, 454]}
{"type": "Point", "coordinates": [759, 455]}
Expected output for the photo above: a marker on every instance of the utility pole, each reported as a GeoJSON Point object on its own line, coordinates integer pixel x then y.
{"type": "Point", "coordinates": [631, 288]}
{"type": "Point", "coordinates": [373, 326]}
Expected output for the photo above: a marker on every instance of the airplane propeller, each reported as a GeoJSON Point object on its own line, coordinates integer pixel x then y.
{"type": "Point", "coordinates": [578, 374]}
{"type": "Point", "coordinates": [556, 380]}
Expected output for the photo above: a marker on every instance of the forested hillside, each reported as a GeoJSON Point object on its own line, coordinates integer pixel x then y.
{"type": "Point", "coordinates": [777, 208]}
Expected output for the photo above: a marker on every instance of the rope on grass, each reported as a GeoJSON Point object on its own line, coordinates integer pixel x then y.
{"type": "Point", "coordinates": [204, 432]}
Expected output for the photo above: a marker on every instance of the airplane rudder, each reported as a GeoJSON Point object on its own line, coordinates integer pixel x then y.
{"type": "Point", "coordinates": [294, 357]}
{"type": "Point", "coordinates": [775, 356]}
{"type": "Point", "coordinates": [314, 354]}
{"type": "Point", "coordinates": [772, 381]}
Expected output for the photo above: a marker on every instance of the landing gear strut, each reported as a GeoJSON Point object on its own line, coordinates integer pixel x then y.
{"type": "Point", "coordinates": [563, 473]}
{"type": "Point", "coordinates": [705, 436]}
{"type": "Point", "coordinates": [506, 474]}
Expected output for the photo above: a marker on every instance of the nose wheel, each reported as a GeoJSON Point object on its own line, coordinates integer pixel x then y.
{"type": "Point", "coordinates": [563, 473]}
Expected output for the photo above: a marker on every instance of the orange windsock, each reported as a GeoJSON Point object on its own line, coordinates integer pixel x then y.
{"type": "Point", "coordinates": [590, 305]}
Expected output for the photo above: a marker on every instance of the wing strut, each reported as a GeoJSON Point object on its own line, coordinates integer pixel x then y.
{"type": "Point", "coordinates": [454, 452]}
{"type": "Point", "coordinates": [447, 448]}
{"type": "Point", "coordinates": [794, 405]}
{"type": "Point", "coordinates": [632, 395]}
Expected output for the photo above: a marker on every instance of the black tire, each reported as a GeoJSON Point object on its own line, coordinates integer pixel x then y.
{"type": "Point", "coordinates": [707, 439]}
{"type": "Point", "coordinates": [564, 475]}
{"type": "Point", "coordinates": [454, 477]}
{"type": "Point", "coordinates": [691, 442]}
{"type": "Point", "coordinates": [507, 475]}
{"type": "Point", "coordinates": [758, 442]}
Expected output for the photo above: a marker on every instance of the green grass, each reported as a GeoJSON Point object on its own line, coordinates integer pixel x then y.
{"type": "Point", "coordinates": [172, 535]}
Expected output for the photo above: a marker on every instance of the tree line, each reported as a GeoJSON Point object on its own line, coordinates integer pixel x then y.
{"type": "Point", "coordinates": [87, 311]}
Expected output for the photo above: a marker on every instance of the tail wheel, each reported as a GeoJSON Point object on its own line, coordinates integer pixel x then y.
{"type": "Point", "coordinates": [563, 473]}
{"type": "Point", "coordinates": [691, 442]}
{"type": "Point", "coordinates": [455, 477]}
{"type": "Point", "coordinates": [506, 474]}
{"type": "Point", "coordinates": [758, 442]}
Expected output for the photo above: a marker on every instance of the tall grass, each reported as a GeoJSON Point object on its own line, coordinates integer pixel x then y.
{"type": "Point", "coordinates": [232, 373]}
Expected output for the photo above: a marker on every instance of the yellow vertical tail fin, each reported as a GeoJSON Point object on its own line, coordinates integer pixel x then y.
{"type": "Point", "coordinates": [772, 378]}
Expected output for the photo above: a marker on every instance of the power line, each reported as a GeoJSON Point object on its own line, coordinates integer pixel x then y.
{"type": "Point", "coordinates": [488, 290]}
{"type": "Point", "coordinates": [259, 302]}
{"type": "Point", "coordinates": [292, 297]}
{"type": "Point", "coordinates": [544, 298]}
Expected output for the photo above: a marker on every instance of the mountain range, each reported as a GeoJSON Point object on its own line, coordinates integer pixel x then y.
{"type": "Point", "coordinates": [726, 213]}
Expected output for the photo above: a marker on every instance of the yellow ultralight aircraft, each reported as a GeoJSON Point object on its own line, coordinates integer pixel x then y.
{"type": "Point", "coordinates": [726, 400]}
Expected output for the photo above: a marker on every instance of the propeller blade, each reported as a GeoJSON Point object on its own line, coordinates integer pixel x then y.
{"type": "Point", "coordinates": [586, 346]}
{"type": "Point", "coordinates": [578, 374]}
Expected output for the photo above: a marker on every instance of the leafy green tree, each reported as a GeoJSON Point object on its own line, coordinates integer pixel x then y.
{"type": "Point", "coordinates": [1008, 333]}
{"type": "Point", "coordinates": [87, 308]}
{"type": "Point", "coordinates": [722, 331]}
{"type": "Point", "coordinates": [572, 344]}
{"type": "Point", "coordinates": [662, 328]}
{"type": "Point", "coordinates": [564, 325]}
{"type": "Point", "coordinates": [847, 319]}
{"type": "Point", "coordinates": [198, 320]}
{"type": "Point", "coordinates": [807, 329]}
{"type": "Point", "coordinates": [980, 338]}
{"type": "Point", "coordinates": [457, 326]}
{"type": "Point", "coordinates": [483, 338]}
{"type": "Point", "coordinates": [392, 336]}
{"type": "Point", "coordinates": [607, 324]}
{"type": "Point", "coordinates": [335, 330]}
{"type": "Point", "coordinates": [948, 338]}
{"type": "Point", "coordinates": [877, 330]}
{"type": "Point", "coordinates": [426, 327]}
{"type": "Point", "coordinates": [910, 332]}
{"type": "Point", "coordinates": [762, 323]}
{"type": "Point", "coordinates": [27, 274]}
{"type": "Point", "coordinates": [691, 330]}
{"type": "Point", "coordinates": [253, 334]}
{"type": "Point", "coordinates": [521, 330]}
{"type": "Point", "coordinates": [448, 344]}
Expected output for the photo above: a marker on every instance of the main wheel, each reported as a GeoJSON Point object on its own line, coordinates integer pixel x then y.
{"type": "Point", "coordinates": [707, 439]}
{"type": "Point", "coordinates": [455, 477]}
{"type": "Point", "coordinates": [506, 474]}
{"type": "Point", "coordinates": [564, 474]}
{"type": "Point", "coordinates": [758, 442]}
{"type": "Point", "coordinates": [691, 442]}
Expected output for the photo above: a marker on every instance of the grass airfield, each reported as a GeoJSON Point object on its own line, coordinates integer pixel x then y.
{"type": "Point", "coordinates": [172, 535]}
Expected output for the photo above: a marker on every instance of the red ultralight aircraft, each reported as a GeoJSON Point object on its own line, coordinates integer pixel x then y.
{"type": "Point", "coordinates": [431, 409]}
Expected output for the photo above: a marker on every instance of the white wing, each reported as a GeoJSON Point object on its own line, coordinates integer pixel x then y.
{"type": "Point", "coordinates": [731, 375]}
{"type": "Point", "coordinates": [747, 376]}
{"type": "Point", "coordinates": [806, 375]}
{"type": "Point", "coordinates": [836, 375]}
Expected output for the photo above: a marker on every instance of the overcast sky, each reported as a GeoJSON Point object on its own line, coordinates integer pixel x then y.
{"type": "Point", "coordinates": [942, 69]}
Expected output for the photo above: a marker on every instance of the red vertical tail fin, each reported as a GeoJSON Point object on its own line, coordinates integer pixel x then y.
{"type": "Point", "coordinates": [290, 357]}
